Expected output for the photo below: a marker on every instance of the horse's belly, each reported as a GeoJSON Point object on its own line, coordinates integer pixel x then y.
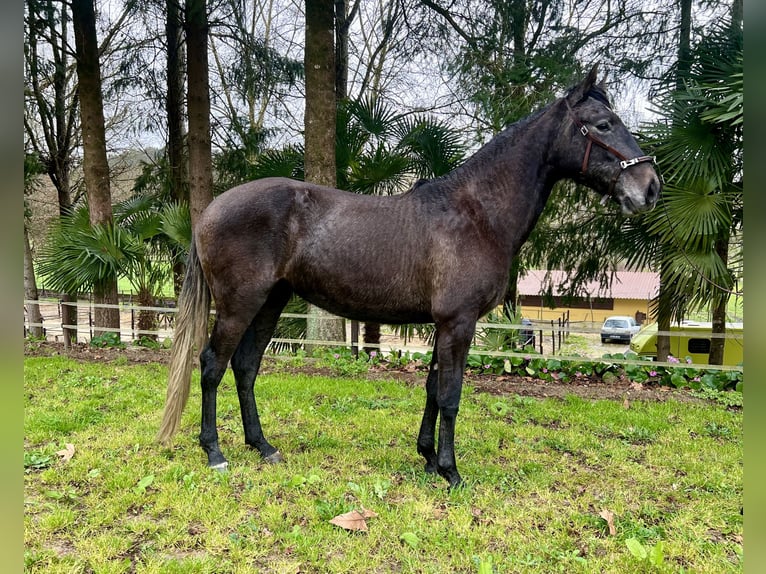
{"type": "Point", "coordinates": [364, 297]}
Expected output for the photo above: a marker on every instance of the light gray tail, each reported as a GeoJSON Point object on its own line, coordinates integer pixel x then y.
{"type": "Point", "coordinates": [190, 332]}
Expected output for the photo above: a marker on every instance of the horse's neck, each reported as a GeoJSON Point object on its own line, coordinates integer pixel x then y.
{"type": "Point", "coordinates": [511, 178]}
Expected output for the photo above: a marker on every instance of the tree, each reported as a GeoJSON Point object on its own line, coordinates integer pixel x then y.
{"type": "Point", "coordinates": [95, 164]}
{"type": "Point", "coordinates": [198, 98]}
{"type": "Point", "coordinates": [683, 65]}
{"type": "Point", "coordinates": [140, 246]}
{"type": "Point", "coordinates": [32, 169]}
{"type": "Point", "coordinates": [178, 176]}
{"type": "Point", "coordinates": [699, 145]}
{"type": "Point", "coordinates": [319, 124]}
{"type": "Point", "coordinates": [50, 120]}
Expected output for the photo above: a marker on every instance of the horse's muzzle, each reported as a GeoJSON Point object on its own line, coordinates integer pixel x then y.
{"type": "Point", "coordinates": [639, 192]}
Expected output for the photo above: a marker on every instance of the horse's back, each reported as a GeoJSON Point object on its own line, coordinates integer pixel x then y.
{"type": "Point", "coordinates": [371, 258]}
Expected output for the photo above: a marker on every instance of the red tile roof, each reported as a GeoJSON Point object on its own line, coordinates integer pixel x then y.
{"type": "Point", "coordinates": [625, 285]}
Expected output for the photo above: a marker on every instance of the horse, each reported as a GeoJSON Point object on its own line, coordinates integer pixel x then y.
{"type": "Point", "coordinates": [438, 253]}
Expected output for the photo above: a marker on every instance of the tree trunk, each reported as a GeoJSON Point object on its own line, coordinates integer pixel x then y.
{"type": "Point", "coordinates": [147, 320]}
{"type": "Point", "coordinates": [200, 154]}
{"type": "Point", "coordinates": [663, 336]}
{"type": "Point", "coordinates": [512, 290]}
{"type": "Point", "coordinates": [342, 24]}
{"type": "Point", "coordinates": [720, 303]}
{"type": "Point", "coordinates": [717, 344]}
{"type": "Point", "coordinates": [95, 164]}
{"type": "Point", "coordinates": [34, 316]}
{"type": "Point", "coordinates": [684, 65]}
{"type": "Point", "coordinates": [319, 123]}
{"type": "Point", "coordinates": [57, 119]}
{"type": "Point", "coordinates": [371, 337]}
{"type": "Point", "coordinates": [179, 188]}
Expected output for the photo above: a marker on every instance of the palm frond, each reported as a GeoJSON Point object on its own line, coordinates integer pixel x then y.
{"type": "Point", "coordinates": [176, 224]}
{"type": "Point", "coordinates": [433, 146]}
{"type": "Point", "coordinates": [77, 255]}
{"type": "Point", "coordinates": [286, 162]}
{"type": "Point", "coordinates": [691, 217]}
{"type": "Point", "coordinates": [380, 172]}
{"type": "Point", "coordinates": [374, 116]}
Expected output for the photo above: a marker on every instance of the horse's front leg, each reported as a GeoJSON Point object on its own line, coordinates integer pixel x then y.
{"type": "Point", "coordinates": [427, 434]}
{"type": "Point", "coordinates": [454, 339]}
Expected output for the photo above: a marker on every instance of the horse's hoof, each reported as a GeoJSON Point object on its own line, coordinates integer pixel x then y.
{"type": "Point", "coordinates": [274, 458]}
{"type": "Point", "coordinates": [430, 468]}
{"type": "Point", "coordinates": [220, 467]}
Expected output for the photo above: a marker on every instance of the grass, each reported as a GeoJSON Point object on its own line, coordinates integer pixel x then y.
{"type": "Point", "coordinates": [542, 478]}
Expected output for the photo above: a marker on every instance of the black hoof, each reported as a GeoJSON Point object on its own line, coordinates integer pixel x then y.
{"type": "Point", "coordinates": [215, 458]}
{"type": "Point", "coordinates": [452, 476]}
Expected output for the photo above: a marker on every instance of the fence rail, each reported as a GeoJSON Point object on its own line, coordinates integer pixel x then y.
{"type": "Point", "coordinates": [550, 335]}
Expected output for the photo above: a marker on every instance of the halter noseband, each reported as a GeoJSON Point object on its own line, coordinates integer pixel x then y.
{"type": "Point", "coordinates": [624, 161]}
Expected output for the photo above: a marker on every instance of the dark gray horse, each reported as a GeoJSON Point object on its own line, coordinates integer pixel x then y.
{"type": "Point", "coordinates": [439, 253]}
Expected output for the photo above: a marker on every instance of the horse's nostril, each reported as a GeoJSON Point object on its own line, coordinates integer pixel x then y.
{"type": "Point", "coordinates": [653, 190]}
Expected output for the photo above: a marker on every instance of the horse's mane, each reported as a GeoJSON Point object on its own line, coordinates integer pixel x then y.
{"type": "Point", "coordinates": [500, 140]}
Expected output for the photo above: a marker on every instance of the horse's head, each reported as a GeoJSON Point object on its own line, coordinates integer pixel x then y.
{"type": "Point", "coordinates": [600, 152]}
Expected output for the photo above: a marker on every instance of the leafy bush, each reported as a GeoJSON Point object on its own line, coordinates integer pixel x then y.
{"type": "Point", "coordinates": [148, 342]}
{"type": "Point", "coordinates": [342, 360]}
{"type": "Point", "coordinates": [108, 339]}
{"type": "Point", "coordinates": [611, 367]}
{"type": "Point", "coordinates": [534, 365]}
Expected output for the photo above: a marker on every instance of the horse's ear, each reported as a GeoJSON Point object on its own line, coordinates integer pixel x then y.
{"type": "Point", "coordinates": [579, 92]}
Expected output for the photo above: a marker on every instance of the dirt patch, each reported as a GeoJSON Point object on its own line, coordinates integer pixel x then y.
{"type": "Point", "coordinates": [621, 389]}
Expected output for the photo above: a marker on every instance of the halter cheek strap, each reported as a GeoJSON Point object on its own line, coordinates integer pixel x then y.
{"type": "Point", "coordinates": [624, 161]}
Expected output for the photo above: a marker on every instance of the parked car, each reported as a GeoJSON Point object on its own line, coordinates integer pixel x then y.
{"type": "Point", "coordinates": [619, 328]}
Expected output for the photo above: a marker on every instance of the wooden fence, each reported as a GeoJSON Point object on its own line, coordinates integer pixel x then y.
{"type": "Point", "coordinates": [550, 336]}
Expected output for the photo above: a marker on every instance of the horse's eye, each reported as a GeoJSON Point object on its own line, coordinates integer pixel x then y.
{"type": "Point", "coordinates": [602, 126]}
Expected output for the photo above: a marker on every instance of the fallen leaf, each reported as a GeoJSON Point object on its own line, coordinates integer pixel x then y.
{"type": "Point", "coordinates": [66, 453]}
{"type": "Point", "coordinates": [626, 403]}
{"type": "Point", "coordinates": [608, 515]}
{"type": "Point", "coordinates": [636, 386]}
{"type": "Point", "coordinates": [356, 520]}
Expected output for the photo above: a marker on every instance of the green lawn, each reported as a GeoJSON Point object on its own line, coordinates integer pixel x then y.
{"type": "Point", "coordinates": [543, 477]}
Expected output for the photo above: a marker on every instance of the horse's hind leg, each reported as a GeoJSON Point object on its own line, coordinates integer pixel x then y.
{"type": "Point", "coordinates": [227, 331]}
{"type": "Point", "coordinates": [246, 362]}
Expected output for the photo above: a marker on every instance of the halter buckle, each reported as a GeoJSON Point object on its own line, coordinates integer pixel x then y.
{"type": "Point", "coordinates": [584, 130]}
{"type": "Point", "coordinates": [628, 162]}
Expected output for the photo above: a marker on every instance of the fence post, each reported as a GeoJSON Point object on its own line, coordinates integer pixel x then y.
{"type": "Point", "coordinates": [355, 339]}
{"type": "Point", "coordinates": [553, 339]}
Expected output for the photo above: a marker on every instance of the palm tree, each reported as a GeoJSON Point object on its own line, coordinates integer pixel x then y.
{"type": "Point", "coordinates": [141, 245]}
{"type": "Point", "coordinates": [698, 142]}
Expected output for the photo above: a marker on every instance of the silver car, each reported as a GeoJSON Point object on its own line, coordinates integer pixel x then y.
{"type": "Point", "coordinates": [619, 328]}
